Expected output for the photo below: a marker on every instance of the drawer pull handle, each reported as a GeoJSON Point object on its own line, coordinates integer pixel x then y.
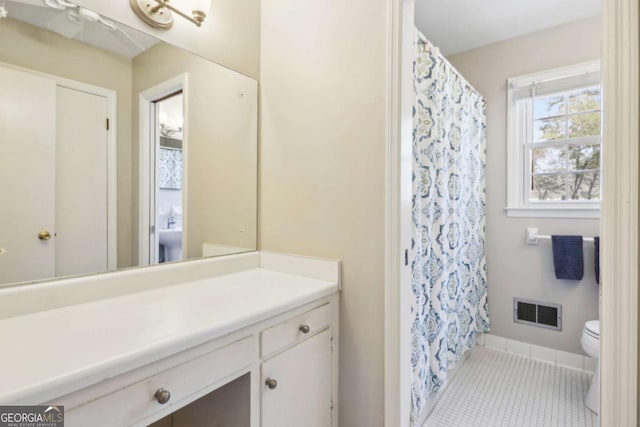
{"type": "Point", "coordinates": [271, 383]}
{"type": "Point", "coordinates": [162, 396]}
{"type": "Point", "coordinates": [304, 329]}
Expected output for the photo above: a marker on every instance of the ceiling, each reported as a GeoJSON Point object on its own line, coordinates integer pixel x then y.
{"type": "Point", "coordinates": [459, 25]}
{"type": "Point", "coordinates": [120, 39]}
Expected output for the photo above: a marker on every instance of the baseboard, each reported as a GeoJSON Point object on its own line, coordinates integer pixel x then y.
{"type": "Point", "coordinates": [536, 352]}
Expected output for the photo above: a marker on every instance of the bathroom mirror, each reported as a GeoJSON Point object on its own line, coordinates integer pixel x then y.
{"type": "Point", "coordinates": [117, 149]}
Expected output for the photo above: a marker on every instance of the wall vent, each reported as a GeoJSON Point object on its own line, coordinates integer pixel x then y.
{"type": "Point", "coordinates": [537, 313]}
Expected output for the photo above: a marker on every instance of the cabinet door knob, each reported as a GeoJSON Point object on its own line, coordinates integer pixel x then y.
{"type": "Point", "coordinates": [162, 396]}
{"type": "Point", "coordinates": [271, 383]}
{"type": "Point", "coordinates": [304, 329]}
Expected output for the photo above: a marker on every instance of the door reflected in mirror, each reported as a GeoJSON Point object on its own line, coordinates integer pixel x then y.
{"type": "Point", "coordinates": [168, 119]}
{"type": "Point", "coordinates": [122, 149]}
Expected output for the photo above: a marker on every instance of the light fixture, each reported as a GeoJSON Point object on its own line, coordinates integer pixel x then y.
{"type": "Point", "coordinates": [158, 13]}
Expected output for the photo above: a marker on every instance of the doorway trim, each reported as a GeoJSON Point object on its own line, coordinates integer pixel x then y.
{"type": "Point", "coordinates": [619, 220]}
{"type": "Point", "coordinates": [112, 152]}
{"type": "Point", "coordinates": [398, 188]}
{"type": "Point", "coordinates": [146, 100]}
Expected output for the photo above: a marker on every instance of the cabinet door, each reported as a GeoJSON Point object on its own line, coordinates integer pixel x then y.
{"type": "Point", "coordinates": [302, 396]}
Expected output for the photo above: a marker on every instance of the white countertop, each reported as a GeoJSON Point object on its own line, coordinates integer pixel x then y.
{"type": "Point", "coordinates": [47, 354]}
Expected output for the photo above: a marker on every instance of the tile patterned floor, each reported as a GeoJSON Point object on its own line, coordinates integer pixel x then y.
{"type": "Point", "coordinates": [494, 388]}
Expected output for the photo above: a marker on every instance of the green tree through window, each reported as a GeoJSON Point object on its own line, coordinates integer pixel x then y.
{"type": "Point", "coordinates": [565, 151]}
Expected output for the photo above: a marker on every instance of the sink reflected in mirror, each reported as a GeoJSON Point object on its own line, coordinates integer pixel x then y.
{"type": "Point", "coordinates": [170, 244]}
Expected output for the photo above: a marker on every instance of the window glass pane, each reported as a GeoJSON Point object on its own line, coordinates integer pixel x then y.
{"type": "Point", "coordinates": [586, 100]}
{"type": "Point", "coordinates": [585, 124]}
{"type": "Point", "coordinates": [547, 187]}
{"type": "Point", "coordinates": [548, 106]}
{"type": "Point", "coordinates": [584, 157]}
{"type": "Point", "coordinates": [584, 186]}
{"type": "Point", "coordinates": [546, 160]}
{"type": "Point", "coordinates": [549, 129]}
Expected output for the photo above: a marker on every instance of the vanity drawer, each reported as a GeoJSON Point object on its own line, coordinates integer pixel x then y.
{"type": "Point", "coordinates": [292, 330]}
{"type": "Point", "coordinates": [136, 402]}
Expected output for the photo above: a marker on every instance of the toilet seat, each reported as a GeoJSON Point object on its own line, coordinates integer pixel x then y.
{"type": "Point", "coordinates": [592, 328]}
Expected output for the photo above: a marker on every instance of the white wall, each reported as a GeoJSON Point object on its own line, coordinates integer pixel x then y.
{"type": "Point", "coordinates": [514, 268]}
{"type": "Point", "coordinates": [322, 168]}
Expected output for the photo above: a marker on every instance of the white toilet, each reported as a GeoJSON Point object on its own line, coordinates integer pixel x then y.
{"type": "Point", "coordinates": [591, 345]}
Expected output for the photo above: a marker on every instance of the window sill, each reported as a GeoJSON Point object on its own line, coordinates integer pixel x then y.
{"type": "Point", "coordinates": [554, 212]}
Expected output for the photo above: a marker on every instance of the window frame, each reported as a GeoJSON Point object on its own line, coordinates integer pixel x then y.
{"type": "Point", "coordinates": [520, 141]}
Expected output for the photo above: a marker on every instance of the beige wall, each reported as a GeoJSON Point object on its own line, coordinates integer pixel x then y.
{"type": "Point", "coordinates": [229, 36]}
{"type": "Point", "coordinates": [221, 149]}
{"type": "Point", "coordinates": [514, 268]}
{"type": "Point", "coordinates": [47, 52]}
{"type": "Point", "coordinates": [322, 168]}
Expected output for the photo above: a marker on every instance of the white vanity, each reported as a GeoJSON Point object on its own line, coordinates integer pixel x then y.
{"type": "Point", "coordinates": [130, 347]}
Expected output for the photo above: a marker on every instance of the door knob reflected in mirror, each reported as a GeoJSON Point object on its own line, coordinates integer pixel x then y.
{"type": "Point", "coordinates": [44, 235]}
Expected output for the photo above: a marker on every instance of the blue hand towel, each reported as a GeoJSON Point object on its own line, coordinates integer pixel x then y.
{"type": "Point", "coordinates": [596, 243]}
{"type": "Point", "coordinates": [568, 257]}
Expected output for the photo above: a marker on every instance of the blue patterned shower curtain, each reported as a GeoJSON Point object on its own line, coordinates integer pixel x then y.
{"type": "Point", "coordinates": [449, 267]}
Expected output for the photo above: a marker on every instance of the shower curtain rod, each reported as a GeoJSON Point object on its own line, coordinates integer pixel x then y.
{"type": "Point", "coordinates": [424, 40]}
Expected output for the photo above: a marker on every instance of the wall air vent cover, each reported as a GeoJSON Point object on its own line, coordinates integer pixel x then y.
{"type": "Point", "coordinates": [537, 313]}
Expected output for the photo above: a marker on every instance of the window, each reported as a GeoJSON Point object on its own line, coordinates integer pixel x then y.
{"type": "Point", "coordinates": [554, 143]}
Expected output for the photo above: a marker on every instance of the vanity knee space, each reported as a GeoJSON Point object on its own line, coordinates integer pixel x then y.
{"type": "Point", "coordinates": [146, 401]}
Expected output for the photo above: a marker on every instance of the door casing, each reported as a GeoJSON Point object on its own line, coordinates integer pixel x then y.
{"type": "Point", "coordinates": [147, 191]}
